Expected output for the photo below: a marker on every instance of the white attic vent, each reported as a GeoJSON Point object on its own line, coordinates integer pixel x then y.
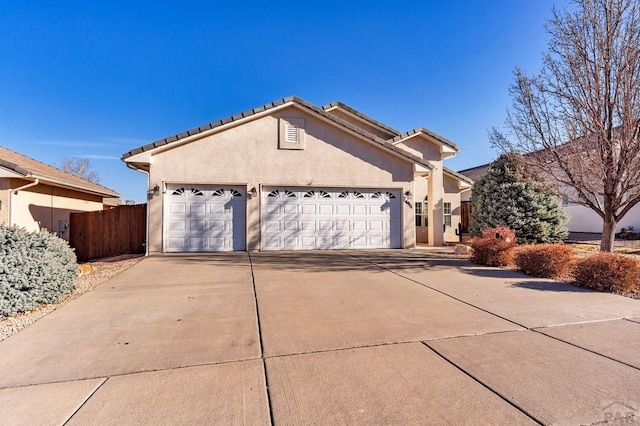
{"type": "Point", "coordinates": [292, 132]}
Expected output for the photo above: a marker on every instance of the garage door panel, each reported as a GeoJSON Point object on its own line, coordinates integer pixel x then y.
{"type": "Point", "coordinates": [177, 208]}
{"type": "Point", "coordinates": [359, 225]}
{"type": "Point", "coordinates": [342, 225]}
{"type": "Point", "coordinates": [177, 225]}
{"type": "Point", "coordinates": [360, 209]}
{"type": "Point", "coordinates": [197, 225]}
{"type": "Point", "coordinates": [290, 209]}
{"type": "Point", "coordinates": [272, 225]}
{"type": "Point", "coordinates": [308, 225]}
{"type": "Point", "coordinates": [342, 209]}
{"type": "Point", "coordinates": [290, 225]}
{"type": "Point", "coordinates": [308, 209]}
{"type": "Point", "coordinates": [204, 218]}
{"type": "Point", "coordinates": [325, 209]}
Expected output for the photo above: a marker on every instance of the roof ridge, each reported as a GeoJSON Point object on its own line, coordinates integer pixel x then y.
{"type": "Point", "coordinates": [458, 175]}
{"type": "Point", "coordinates": [383, 142]}
{"type": "Point", "coordinates": [431, 133]}
{"type": "Point", "coordinates": [473, 168]}
{"type": "Point", "coordinates": [362, 115]}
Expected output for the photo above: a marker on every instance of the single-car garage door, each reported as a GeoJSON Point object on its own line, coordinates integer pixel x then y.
{"type": "Point", "coordinates": [325, 218]}
{"type": "Point", "coordinates": [204, 218]}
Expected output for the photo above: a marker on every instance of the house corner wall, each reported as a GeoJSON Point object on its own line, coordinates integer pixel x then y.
{"type": "Point", "coordinates": [435, 185]}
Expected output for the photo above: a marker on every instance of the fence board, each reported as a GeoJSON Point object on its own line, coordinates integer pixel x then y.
{"type": "Point", "coordinates": [106, 233]}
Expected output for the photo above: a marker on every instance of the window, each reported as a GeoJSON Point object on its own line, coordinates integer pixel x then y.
{"type": "Point", "coordinates": [447, 214]}
{"type": "Point", "coordinates": [218, 193]}
{"type": "Point", "coordinates": [179, 191]}
{"type": "Point", "coordinates": [324, 194]}
{"type": "Point", "coordinates": [289, 194]}
{"type": "Point", "coordinates": [309, 194]}
{"type": "Point", "coordinates": [235, 193]}
{"type": "Point", "coordinates": [565, 200]}
{"type": "Point", "coordinates": [343, 194]}
{"type": "Point", "coordinates": [273, 194]}
{"type": "Point", "coordinates": [421, 212]}
{"type": "Point", "coordinates": [357, 194]}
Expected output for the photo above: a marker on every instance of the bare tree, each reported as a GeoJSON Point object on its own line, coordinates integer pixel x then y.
{"type": "Point", "coordinates": [579, 117]}
{"type": "Point", "coordinates": [80, 167]}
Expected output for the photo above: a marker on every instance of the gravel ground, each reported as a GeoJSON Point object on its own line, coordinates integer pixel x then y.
{"type": "Point", "coordinates": [91, 275]}
{"type": "Point", "coordinates": [594, 238]}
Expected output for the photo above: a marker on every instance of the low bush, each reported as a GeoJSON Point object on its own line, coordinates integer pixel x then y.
{"type": "Point", "coordinates": [494, 247]}
{"type": "Point", "coordinates": [35, 268]}
{"type": "Point", "coordinates": [608, 272]}
{"type": "Point", "coordinates": [545, 260]}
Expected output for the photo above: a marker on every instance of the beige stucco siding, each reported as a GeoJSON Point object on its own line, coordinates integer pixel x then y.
{"type": "Point", "coordinates": [452, 195]}
{"type": "Point", "coordinates": [4, 201]}
{"type": "Point", "coordinates": [43, 206]}
{"type": "Point", "coordinates": [417, 145]}
{"type": "Point", "coordinates": [249, 155]}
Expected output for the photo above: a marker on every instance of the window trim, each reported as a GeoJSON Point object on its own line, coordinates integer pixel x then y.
{"type": "Point", "coordinates": [446, 217]}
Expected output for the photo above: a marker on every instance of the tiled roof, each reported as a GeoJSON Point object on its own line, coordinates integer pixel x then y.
{"type": "Point", "coordinates": [434, 135]}
{"type": "Point", "coordinates": [365, 117]}
{"type": "Point", "coordinates": [459, 176]}
{"type": "Point", "coordinates": [299, 101]}
{"type": "Point", "coordinates": [29, 167]}
{"type": "Point", "coordinates": [475, 173]}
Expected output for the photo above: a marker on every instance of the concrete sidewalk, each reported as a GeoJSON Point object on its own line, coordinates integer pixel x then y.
{"type": "Point", "coordinates": [367, 337]}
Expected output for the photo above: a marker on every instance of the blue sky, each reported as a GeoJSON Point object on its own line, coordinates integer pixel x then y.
{"type": "Point", "coordinates": [96, 79]}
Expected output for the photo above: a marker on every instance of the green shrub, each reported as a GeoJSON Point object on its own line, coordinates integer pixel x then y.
{"type": "Point", "coordinates": [512, 194]}
{"type": "Point", "coordinates": [35, 268]}
{"type": "Point", "coordinates": [608, 272]}
{"type": "Point", "coordinates": [545, 260]}
{"type": "Point", "coordinates": [628, 234]}
{"type": "Point", "coordinates": [494, 247]}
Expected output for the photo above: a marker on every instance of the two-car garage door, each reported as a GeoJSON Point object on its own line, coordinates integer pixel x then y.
{"type": "Point", "coordinates": [202, 218]}
{"type": "Point", "coordinates": [317, 218]}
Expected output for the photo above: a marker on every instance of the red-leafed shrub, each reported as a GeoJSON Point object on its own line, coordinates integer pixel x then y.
{"type": "Point", "coordinates": [494, 247]}
{"type": "Point", "coordinates": [608, 272]}
{"type": "Point", "coordinates": [545, 260]}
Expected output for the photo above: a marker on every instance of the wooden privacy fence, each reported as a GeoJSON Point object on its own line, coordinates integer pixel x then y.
{"type": "Point", "coordinates": [107, 233]}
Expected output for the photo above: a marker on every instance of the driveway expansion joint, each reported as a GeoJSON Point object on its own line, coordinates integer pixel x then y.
{"type": "Point", "coordinates": [86, 400]}
{"type": "Point", "coordinates": [440, 291]}
{"type": "Point", "coordinates": [585, 349]}
{"type": "Point", "coordinates": [484, 385]}
{"type": "Point", "coordinates": [264, 361]}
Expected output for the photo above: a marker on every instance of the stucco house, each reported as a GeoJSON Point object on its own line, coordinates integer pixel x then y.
{"type": "Point", "coordinates": [290, 175]}
{"type": "Point", "coordinates": [36, 196]}
{"type": "Point", "coordinates": [581, 218]}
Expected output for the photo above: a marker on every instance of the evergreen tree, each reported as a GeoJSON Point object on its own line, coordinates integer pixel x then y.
{"type": "Point", "coordinates": [512, 195]}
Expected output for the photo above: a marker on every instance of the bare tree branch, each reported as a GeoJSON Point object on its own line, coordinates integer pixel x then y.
{"type": "Point", "coordinates": [579, 118]}
{"type": "Point", "coordinates": [80, 167]}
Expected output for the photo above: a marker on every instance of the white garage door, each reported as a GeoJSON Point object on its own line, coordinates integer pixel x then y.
{"type": "Point", "coordinates": [204, 218]}
{"type": "Point", "coordinates": [322, 218]}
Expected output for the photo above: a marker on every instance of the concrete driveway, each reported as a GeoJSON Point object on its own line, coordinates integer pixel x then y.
{"type": "Point", "coordinates": [372, 337]}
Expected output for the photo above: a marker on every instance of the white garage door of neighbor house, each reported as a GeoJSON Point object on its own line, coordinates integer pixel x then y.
{"type": "Point", "coordinates": [323, 218]}
{"type": "Point", "coordinates": [204, 218]}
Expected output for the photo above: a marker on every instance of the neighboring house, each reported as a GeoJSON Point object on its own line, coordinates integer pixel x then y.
{"type": "Point", "coordinates": [581, 218]}
{"type": "Point", "coordinates": [38, 196]}
{"type": "Point", "coordinates": [290, 175]}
